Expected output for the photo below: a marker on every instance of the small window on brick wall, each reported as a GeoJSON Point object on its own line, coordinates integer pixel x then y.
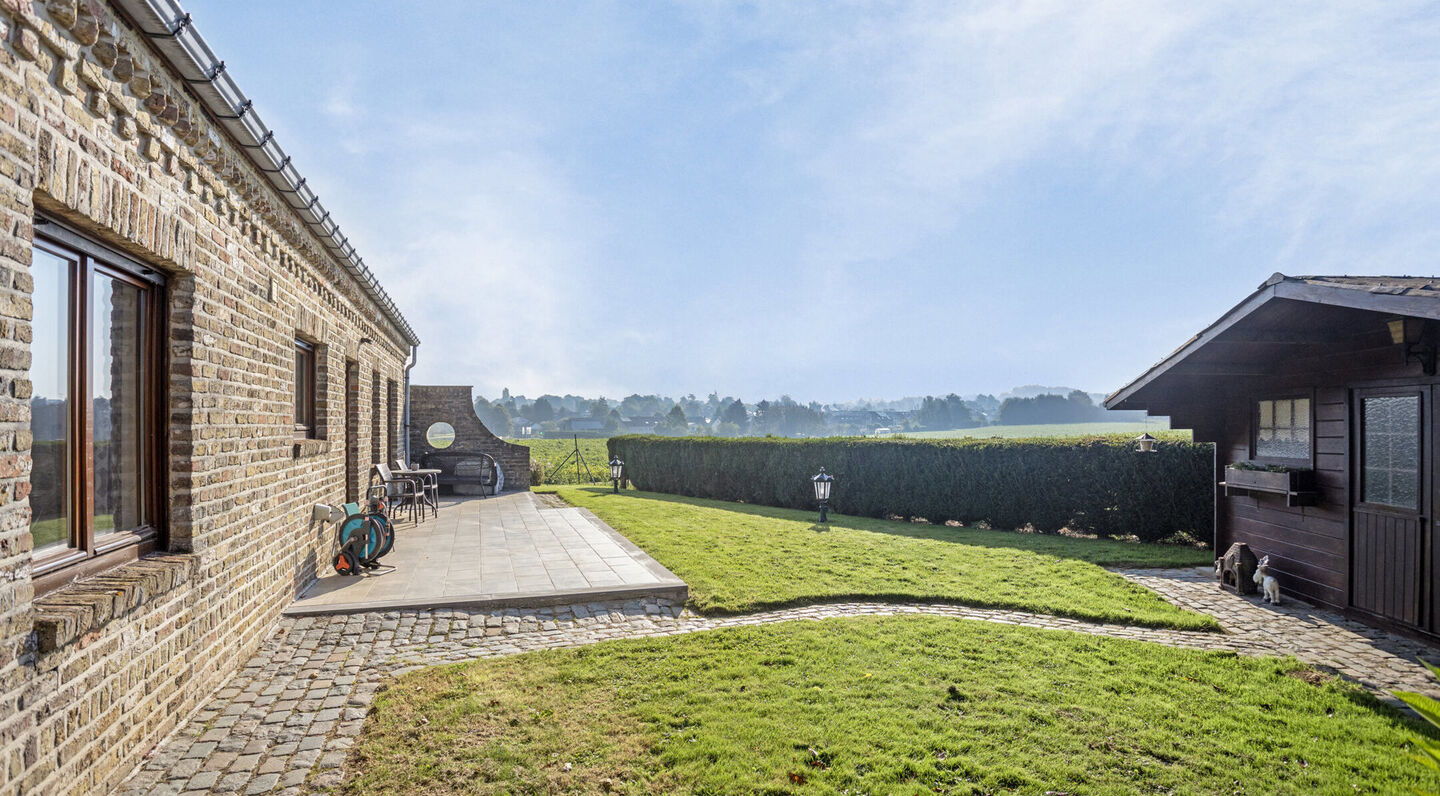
{"type": "Point", "coordinates": [1282, 429]}
{"type": "Point", "coordinates": [304, 390]}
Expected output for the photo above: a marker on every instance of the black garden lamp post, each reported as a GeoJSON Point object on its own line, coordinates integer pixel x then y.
{"type": "Point", "coordinates": [822, 482]}
{"type": "Point", "coordinates": [617, 471]}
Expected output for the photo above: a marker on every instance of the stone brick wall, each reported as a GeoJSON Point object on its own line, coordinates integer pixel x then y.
{"type": "Point", "coordinates": [96, 131]}
{"type": "Point", "coordinates": [432, 404]}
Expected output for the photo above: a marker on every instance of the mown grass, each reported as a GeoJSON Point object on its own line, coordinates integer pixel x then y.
{"type": "Point", "coordinates": [551, 452]}
{"type": "Point", "coordinates": [1053, 430]}
{"type": "Point", "coordinates": [739, 558]}
{"type": "Point", "coordinates": [900, 705]}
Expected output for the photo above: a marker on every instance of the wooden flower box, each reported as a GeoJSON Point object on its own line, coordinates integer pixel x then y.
{"type": "Point", "coordinates": [1298, 486]}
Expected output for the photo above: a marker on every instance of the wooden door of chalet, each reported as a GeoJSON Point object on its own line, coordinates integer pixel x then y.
{"type": "Point", "coordinates": [1392, 504]}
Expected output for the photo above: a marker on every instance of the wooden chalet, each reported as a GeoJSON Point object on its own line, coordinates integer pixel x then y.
{"type": "Point", "coordinates": [1323, 389]}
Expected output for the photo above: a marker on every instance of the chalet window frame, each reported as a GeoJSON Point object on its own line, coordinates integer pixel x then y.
{"type": "Point", "coordinates": [1307, 461]}
{"type": "Point", "coordinates": [307, 425]}
{"type": "Point", "coordinates": [86, 552]}
{"type": "Point", "coordinates": [1422, 499]}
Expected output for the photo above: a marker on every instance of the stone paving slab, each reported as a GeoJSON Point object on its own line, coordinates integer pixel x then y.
{"type": "Point", "coordinates": [284, 723]}
{"type": "Point", "coordinates": [502, 551]}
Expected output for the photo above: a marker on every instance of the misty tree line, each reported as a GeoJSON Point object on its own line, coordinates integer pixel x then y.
{"type": "Point", "coordinates": [729, 416]}
{"type": "Point", "coordinates": [1077, 407]}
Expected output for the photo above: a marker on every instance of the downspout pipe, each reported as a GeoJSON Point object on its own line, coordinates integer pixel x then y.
{"type": "Point", "coordinates": [414, 357]}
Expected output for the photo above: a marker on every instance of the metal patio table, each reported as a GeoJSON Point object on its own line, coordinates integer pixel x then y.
{"type": "Point", "coordinates": [430, 477]}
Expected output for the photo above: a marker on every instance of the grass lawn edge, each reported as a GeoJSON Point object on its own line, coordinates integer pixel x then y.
{"type": "Point", "coordinates": [1199, 622]}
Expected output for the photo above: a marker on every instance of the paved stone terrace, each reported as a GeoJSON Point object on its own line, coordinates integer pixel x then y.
{"type": "Point", "coordinates": [498, 551]}
{"type": "Point", "coordinates": [284, 723]}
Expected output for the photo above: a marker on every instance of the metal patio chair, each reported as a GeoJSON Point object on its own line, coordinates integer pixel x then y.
{"type": "Point", "coordinates": [429, 482]}
{"type": "Point", "coordinates": [402, 491]}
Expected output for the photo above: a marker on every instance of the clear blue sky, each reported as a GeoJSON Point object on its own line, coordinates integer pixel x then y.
{"type": "Point", "coordinates": [844, 200]}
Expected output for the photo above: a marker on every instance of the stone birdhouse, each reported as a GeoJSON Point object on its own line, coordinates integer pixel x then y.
{"type": "Point", "coordinates": [1237, 569]}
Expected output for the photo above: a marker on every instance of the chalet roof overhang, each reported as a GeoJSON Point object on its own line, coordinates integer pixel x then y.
{"type": "Point", "coordinates": [1283, 311]}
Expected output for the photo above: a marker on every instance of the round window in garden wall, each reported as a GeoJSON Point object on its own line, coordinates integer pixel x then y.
{"type": "Point", "coordinates": [440, 435]}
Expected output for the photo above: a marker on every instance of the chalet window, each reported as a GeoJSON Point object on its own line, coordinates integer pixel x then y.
{"type": "Point", "coordinates": [304, 390]}
{"type": "Point", "coordinates": [1390, 451]}
{"type": "Point", "coordinates": [1282, 429]}
{"type": "Point", "coordinates": [94, 408]}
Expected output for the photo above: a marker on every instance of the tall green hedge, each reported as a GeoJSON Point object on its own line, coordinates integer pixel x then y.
{"type": "Point", "coordinates": [1097, 485]}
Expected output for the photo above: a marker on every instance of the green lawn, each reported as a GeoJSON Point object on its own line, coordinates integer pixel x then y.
{"type": "Point", "coordinates": [900, 705]}
{"type": "Point", "coordinates": [738, 558]}
{"type": "Point", "coordinates": [1160, 430]}
{"type": "Point", "coordinates": [550, 452]}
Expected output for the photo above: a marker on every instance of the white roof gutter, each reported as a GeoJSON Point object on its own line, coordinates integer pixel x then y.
{"type": "Point", "coordinates": [171, 32]}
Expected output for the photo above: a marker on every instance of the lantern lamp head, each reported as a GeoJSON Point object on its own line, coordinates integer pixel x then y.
{"type": "Point", "coordinates": [1405, 331]}
{"type": "Point", "coordinates": [822, 482]}
{"type": "Point", "coordinates": [617, 468]}
{"type": "Point", "coordinates": [1146, 443]}
{"type": "Point", "coordinates": [1410, 333]}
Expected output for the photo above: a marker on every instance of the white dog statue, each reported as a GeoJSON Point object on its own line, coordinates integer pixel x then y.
{"type": "Point", "coordinates": [1267, 583]}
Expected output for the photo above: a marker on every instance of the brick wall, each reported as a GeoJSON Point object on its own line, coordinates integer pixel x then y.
{"type": "Point", "coordinates": [96, 131]}
{"type": "Point", "coordinates": [453, 405]}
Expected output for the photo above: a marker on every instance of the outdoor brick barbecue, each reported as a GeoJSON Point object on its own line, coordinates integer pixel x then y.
{"type": "Point", "coordinates": [464, 461]}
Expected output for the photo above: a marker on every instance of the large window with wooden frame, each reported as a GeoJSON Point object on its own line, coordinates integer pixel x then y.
{"type": "Point", "coordinates": [304, 390]}
{"type": "Point", "coordinates": [95, 421]}
{"type": "Point", "coordinates": [1282, 430]}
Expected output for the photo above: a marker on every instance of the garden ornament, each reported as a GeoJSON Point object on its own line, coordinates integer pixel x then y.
{"type": "Point", "coordinates": [1267, 583]}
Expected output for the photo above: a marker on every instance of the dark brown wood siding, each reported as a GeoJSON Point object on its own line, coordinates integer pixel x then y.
{"type": "Point", "coordinates": [1308, 545]}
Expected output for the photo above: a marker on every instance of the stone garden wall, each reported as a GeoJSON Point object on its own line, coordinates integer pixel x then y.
{"type": "Point", "coordinates": [97, 132]}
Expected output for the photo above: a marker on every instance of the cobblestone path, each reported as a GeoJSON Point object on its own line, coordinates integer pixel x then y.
{"type": "Point", "coordinates": [1378, 660]}
{"type": "Point", "coordinates": [285, 721]}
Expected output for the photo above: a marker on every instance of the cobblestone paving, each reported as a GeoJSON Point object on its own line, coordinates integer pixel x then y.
{"type": "Point", "coordinates": [1376, 659]}
{"type": "Point", "coordinates": [285, 721]}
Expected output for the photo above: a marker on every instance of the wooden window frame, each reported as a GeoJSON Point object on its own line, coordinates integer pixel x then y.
{"type": "Point", "coordinates": [306, 427]}
{"type": "Point", "coordinates": [1422, 498]}
{"type": "Point", "coordinates": [1255, 401]}
{"type": "Point", "coordinates": [87, 554]}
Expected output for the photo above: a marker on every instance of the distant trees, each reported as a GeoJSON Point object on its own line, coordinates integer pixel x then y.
{"type": "Point", "coordinates": [985, 405]}
{"type": "Point", "coordinates": [1073, 408]}
{"type": "Point", "coordinates": [786, 418]}
{"type": "Point", "coordinates": [644, 405]}
{"type": "Point", "coordinates": [675, 423]}
{"type": "Point", "coordinates": [693, 408]}
{"type": "Point", "coordinates": [494, 416]}
{"type": "Point", "coordinates": [945, 413]}
{"type": "Point", "coordinates": [735, 415]}
{"type": "Point", "coordinates": [728, 416]}
{"type": "Point", "coordinates": [540, 411]}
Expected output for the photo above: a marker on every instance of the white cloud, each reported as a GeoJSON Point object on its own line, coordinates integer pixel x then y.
{"type": "Point", "coordinates": [1317, 122]}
